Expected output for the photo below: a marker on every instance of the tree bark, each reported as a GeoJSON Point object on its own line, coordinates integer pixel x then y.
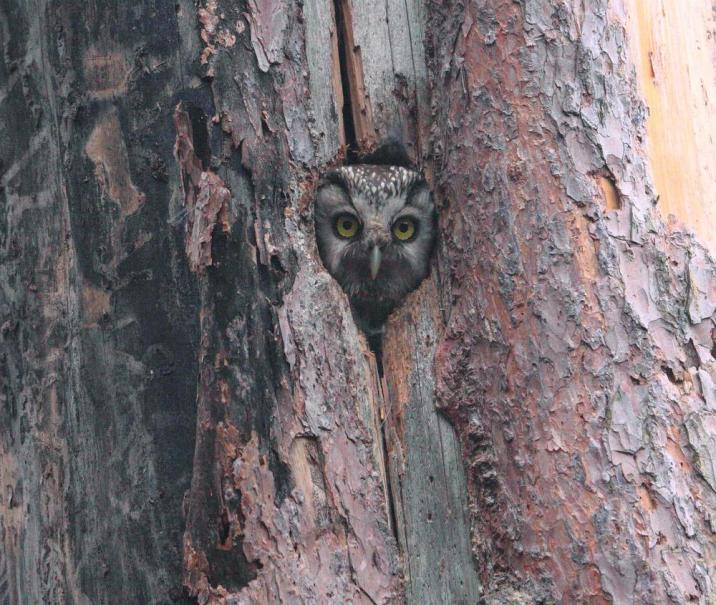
{"type": "Point", "coordinates": [188, 412]}
{"type": "Point", "coordinates": [578, 359]}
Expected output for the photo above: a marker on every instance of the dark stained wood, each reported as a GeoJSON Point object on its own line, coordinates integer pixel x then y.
{"type": "Point", "coordinates": [99, 312]}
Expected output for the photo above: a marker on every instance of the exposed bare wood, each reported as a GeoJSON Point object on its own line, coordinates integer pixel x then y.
{"type": "Point", "coordinates": [324, 77]}
{"type": "Point", "coordinates": [426, 463]}
{"type": "Point", "coordinates": [673, 46]}
{"type": "Point", "coordinates": [386, 70]}
{"type": "Point", "coordinates": [360, 103]}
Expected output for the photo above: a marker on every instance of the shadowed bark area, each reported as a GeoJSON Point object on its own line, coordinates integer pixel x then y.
{"type": "Point", "coordinates": [99, 311]}
{"type": "Point", "coordinates": [188, 413]}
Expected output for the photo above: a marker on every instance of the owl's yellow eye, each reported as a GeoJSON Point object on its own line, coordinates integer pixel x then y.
{"type": "Point", "coordinates": [404, 229]}
{"type": "Point", "coordinates": [347, 226]}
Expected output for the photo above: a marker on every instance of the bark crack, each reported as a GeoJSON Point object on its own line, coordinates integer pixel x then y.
{"type": "Point", "coordinates": [349, 133]}
{"type": "Point", "coordinates": [389, 495]}
{"type": "Point", "coordinates": [357, 113]}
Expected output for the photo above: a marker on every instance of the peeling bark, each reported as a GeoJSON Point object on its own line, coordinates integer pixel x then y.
{"type": "Point", "coordinates": [577, 363]}
{"type": "Point", "coordinates": [205, 195]}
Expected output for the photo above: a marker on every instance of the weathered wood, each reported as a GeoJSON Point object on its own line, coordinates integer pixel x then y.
{"type": "Point", "coordinates": [324, 77]}
{"type": "Point", "coordinates": [386, 70]}
{"type": "Point", "coordinates": [98, 311]}
{"type": "Point", "coordinates": [426, 464]}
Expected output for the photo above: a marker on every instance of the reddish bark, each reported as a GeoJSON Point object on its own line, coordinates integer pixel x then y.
{"type": "Point", "coordinates": [576, 326]}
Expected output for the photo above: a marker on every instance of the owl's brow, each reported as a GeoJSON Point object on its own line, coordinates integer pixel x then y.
{"type": "Point", "coordinates": [344, 200]}
{"type": "Point", "coordinates": [376, 181]}
{"type": "Point", "coordinates": [406, 212]}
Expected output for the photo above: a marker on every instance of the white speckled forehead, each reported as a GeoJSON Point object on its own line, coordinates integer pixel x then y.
{"type": "Point", "coordinates": [378, 183]}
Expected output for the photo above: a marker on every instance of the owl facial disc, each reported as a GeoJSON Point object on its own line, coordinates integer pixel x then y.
{"type": "Point", "coordinates": [375, 230]}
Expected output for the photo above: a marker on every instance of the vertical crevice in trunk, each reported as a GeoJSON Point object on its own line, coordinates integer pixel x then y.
{"type": "Point", "coordinates": [347, 83]}
{"type": "Point", "coordinates": [358, 118]}
{"type": "Point", "coordinates": [388, 481]}
{"type": "Point", "coordinates": [422, 468]}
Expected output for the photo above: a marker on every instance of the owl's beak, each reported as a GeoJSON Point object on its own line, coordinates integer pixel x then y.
{"type": "Point", "coordinates": [375, 257]}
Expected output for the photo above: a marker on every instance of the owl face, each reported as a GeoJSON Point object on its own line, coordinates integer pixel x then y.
{"type": "Point", "coordinates": [375, 229]}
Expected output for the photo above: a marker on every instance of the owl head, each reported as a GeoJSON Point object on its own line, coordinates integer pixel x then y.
{"type": "Point", "coordinates": [375, 229]}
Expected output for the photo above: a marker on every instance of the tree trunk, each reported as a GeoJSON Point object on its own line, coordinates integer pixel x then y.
{"type": "Point", "coordinates": [188, 412]}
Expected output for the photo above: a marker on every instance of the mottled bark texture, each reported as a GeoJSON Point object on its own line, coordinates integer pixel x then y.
{"type": "Point", "coordinates": [578, 359]}
{"type": "Point", "coordinates": [187, 411]}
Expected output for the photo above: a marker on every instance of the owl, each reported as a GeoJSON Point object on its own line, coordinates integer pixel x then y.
{"type": "Point", "coordinates": [375, 230]}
